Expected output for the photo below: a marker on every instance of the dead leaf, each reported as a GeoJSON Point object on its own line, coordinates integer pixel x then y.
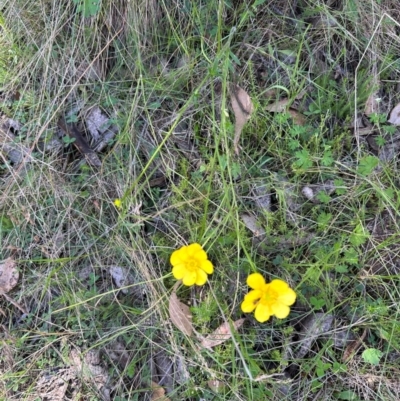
{"type": "Point", "coordinates": [179, 314]}
{"type": "Point", "coordinates": [372, 103]}
{"type": "Point", "coordinates": [394, 117]}
{"type": "Point", "coordinates": [242, 107]}
{"type": "Point", "coordinates": [80, 142]}
{"type": "Point", "coordinates": [158, 393]}
{"type": "Point", "coordinates": [352, 348]}
{"type": "Point", "coordinates": [283, 107]}
{"type": "Point", "coordinates": [220, 335]}
{"type": "Point", "coordinates": [278, 107]}
{"type": "Point", "coordinates": [263, 197]}
{"type": "Point", "coordinates": [297, 117]}
{"type": "Point", "coordinates": [253, 224]}
{"type": "Point", "coordinates": [313, 327]}
{"type": "Point", "coordinates": [122, 277]}
{"type": "Point", "coordinates": [89, 367]}
{"type": "Point", "coordinates": [8, 276]}
{"type": "Point", "coordinates": [100, 128]}
{"type": "Point", "coordinates": [216, 386]}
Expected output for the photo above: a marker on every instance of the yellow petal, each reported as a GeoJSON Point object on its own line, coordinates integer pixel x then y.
{"type": "Point", "coordinates": [247, 306]}
{"type": "Point", "coordinates": [285, 294]}
{"type": "Point", "coordinates": [262, 313]}
{"type": "Point", "coordinates": [288, 297]}
{"type": "Point", "coordinates": [279, 285]}
{"type": "Point", "coordinates": [179, 271]}
{"type": "Point", "coordinates": [200, 255]}
{"type": "Point", "coordinates": [178, 256]}
{"type": "Point", "coordinates": [192, 249]}
{"type": "Point", "coordinates": [255, 281]}
{"type": "Point", "coordinates": [201, 277]}
{"type": "Point", "coordinates": [253, 296]}
{"type": "Point", "coordinates": [207, 266]}
{"type": "Point", "coordinates": [189, 278]}
{"type": "Point", "coordinates": [280, 310]}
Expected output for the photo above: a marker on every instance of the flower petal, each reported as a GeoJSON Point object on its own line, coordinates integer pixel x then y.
{"type": "Point", "coordinates": [279, 285]}
{"type": "Point", "coordinates": [201, 277]}
{"type": "Point", "coordinates": [255, 281]}
{"type": "Point", "coordinates": [262, 313]}
{"type": "Point", "coordinates": [288, 297]}
{"type": "Point", "coordinates": [192, 249]}
{"type": "Point", "coordinates": [207, 266]}
{"type": "Point", "coordinates": [247, 306]}
{"type": "Point", "coordinates": [280, 310]}
{"type": "Point", "coordinates": [178, 256]}
{"type": "Point", "coordinates": [253, 296]}
{"type": "Point", "coordinates": [190, 278]}
{"type": "Point", "coordinates": [285, 294]}
{"type": "Point", "coordinates": [179, 271]}
{"type": "Point", "coordinates": [200, 255]}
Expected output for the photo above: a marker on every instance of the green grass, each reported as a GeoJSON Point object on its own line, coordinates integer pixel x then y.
{"type": "Point", "coordinates": [162, 71]}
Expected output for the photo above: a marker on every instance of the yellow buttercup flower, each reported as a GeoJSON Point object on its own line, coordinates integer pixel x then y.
{"type": "Point", "coordinates": [268, 300]}
{"type": "Point", "coordinates": [118, 203]}
{"type": "Point", "coordinates": [191, 265]}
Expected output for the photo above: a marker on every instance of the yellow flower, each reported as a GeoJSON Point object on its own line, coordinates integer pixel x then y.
{"type": "Point", "coordinates": [118, 203]}
{"type": "Point", "coordinates": [190, 265]}
{"type": "Point", "coordinates": [268, 299]}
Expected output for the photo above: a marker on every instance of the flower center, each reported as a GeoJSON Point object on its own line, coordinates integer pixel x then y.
{"type": "Point", "coordinates": [192, 265]}
{"type": "Point", "coordinates": [269, 296]}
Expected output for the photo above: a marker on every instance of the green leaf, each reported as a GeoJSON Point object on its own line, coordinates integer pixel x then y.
{"type": "Point", "coordinates": [367, 165]}
{"type": "Point", "coordinates": [87, 8]}
{"type": "Point", "coordinates": [327, 159]}
{"type": "Point", "coordinates": [303, 159]}
{"type": "Point", "coordinates": [359, 235]}
{"type": "Point", "coordinates": [341, 269]}
{"type": "Point", "coordinates": [347, 395]}
{"type": "Point", "coordinates": [372, 356]}
{"type": "Point", "coordinates": [351, 256]}
{"type": "Point", "coordinates": [317, 303]}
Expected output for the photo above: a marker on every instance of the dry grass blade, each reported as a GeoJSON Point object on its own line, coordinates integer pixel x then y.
{"type": "Point", "coordinates": [180, 314]}
{"type": "Point", "coordinates": [242, 107]}
{"type": "Point", "coordinates": [220, 335]}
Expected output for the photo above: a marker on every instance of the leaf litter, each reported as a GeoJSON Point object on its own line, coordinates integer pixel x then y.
{"type": "Point", "coordinates": [222, 334]}
{"type": "Point", "coordinates": [179, 313]}
{"type": "Point", "coordinates": [242, 108]}
{"type": "Point", "coordinates": [9, 277]}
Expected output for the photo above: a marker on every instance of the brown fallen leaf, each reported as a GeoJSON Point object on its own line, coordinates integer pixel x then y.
{"type": "Point", "coordinates": [242, 107]}
{"type": "Point", "coordinates": [216, 386]}
{"type": "Point", "coordinates": [282, 106]}
{"type": "Point", "coordinates": [8, 280]}
{"type": "Point", "coordinates": [352, 348]}
{"type": "Point", "coordinates": [297, 117]}
{"type": "Point", "coordinates": [80, 142]}
{"type": "Point", "coordinates": [394, 117]}
{"type": "Point", "coordinates": [253, 224]}
{"type": "Point", "coordinates": [278, 107]}
{"type": "Point", "coordinates": [158, 393]}
{"type": "Point", "coordinates": [220, 335]}
{"type": "Point", "coordinates": [372, 103]}
{"type": "Point", "coordinates": [179, 313]}
{"type": "Point", "coordinates": [8, 276]}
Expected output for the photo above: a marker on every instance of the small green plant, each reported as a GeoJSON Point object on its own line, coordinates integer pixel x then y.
{"type": "Point", "coordinates": [88, 8]}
